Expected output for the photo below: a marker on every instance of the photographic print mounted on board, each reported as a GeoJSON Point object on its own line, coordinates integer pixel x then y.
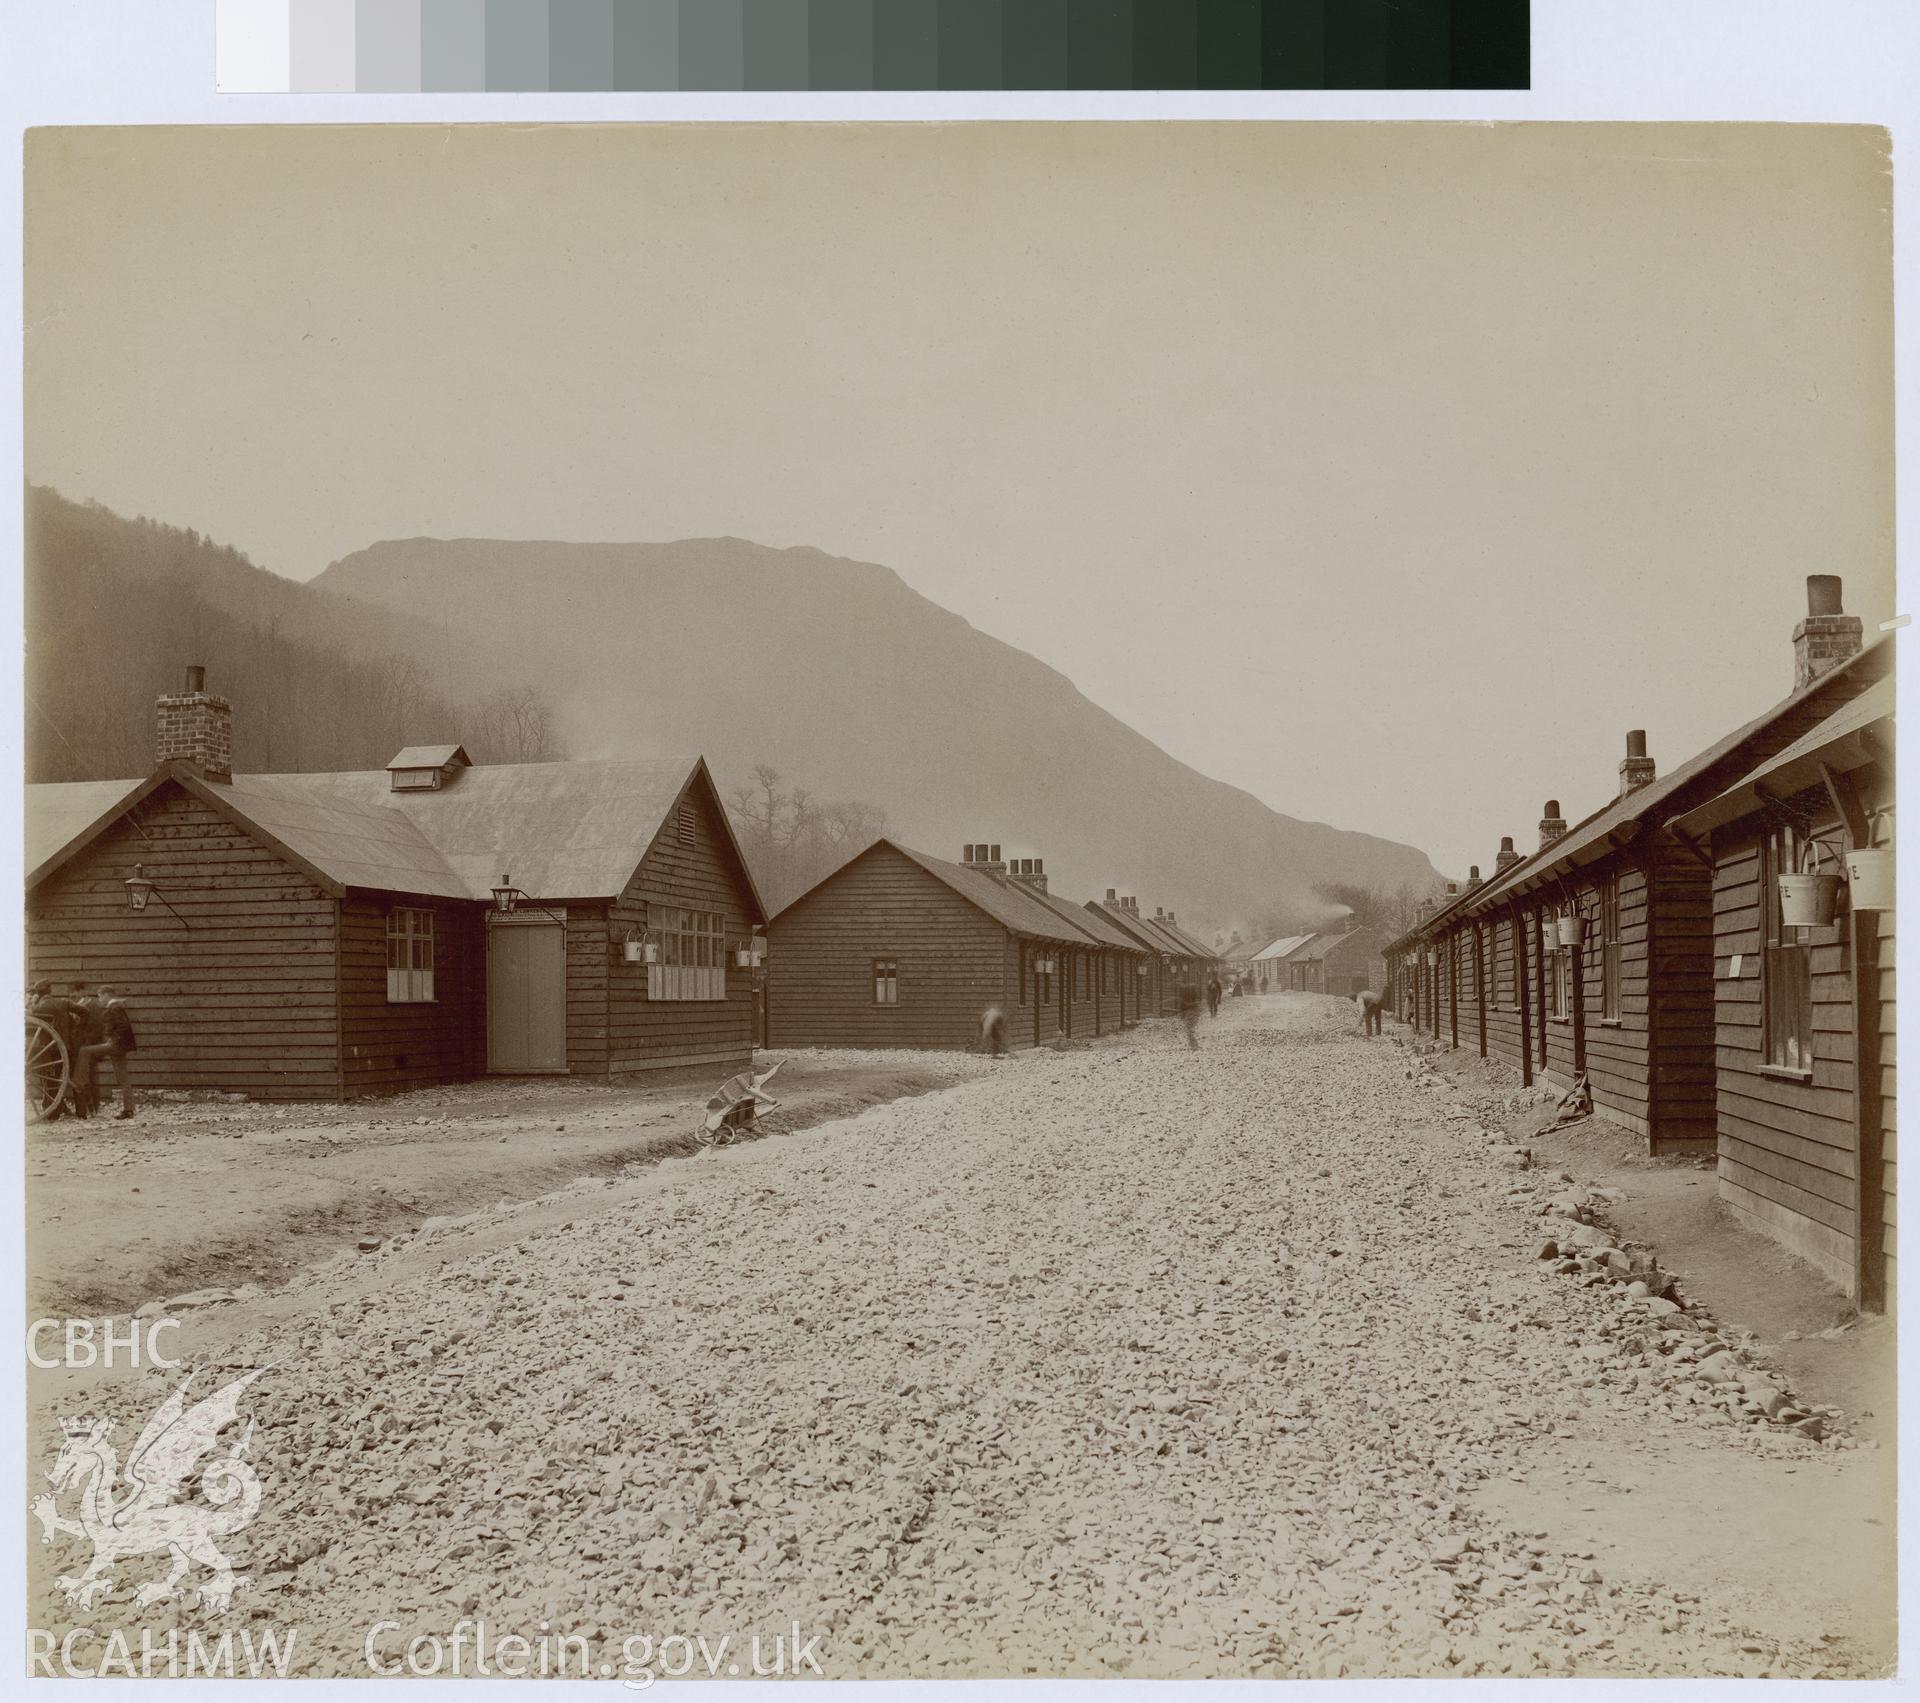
{"type": "Point", "coordinates": [961, 900]}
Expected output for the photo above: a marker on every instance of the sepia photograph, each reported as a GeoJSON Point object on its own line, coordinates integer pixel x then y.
{"type": "Point", "coordinates": [895, 901]}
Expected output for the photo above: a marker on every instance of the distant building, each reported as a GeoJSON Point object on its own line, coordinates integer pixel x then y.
{"type": "Point", "coordinates": [322, 936]}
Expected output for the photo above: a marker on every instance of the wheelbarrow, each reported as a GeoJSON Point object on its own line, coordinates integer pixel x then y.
{"type": "Point", "coordinates": [735, 1104]}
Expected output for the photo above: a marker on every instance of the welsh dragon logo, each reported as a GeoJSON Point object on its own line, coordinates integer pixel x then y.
{"type": "Point", "coordinates": [148, 1518]}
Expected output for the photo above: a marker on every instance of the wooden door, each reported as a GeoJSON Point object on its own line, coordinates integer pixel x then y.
{"type": "Point", "coordinates": [526, 996]}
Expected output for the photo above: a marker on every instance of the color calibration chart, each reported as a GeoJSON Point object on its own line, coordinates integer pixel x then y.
{"type": "Point", "coordinates": [473, 46]}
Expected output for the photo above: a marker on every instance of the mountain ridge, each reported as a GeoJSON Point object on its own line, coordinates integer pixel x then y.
{"type": "Point", "coordinates": [856, 685]}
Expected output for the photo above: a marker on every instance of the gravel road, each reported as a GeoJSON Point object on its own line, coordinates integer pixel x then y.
{"type": "Point", "coordinates": [1121, 1360]}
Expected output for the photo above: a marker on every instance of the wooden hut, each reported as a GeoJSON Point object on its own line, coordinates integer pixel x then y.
{"type": "Point", "coordinates": [1171, 957]}
{"type": "Point", "coordinates": [323, 936]}
{"type": "Point", "coordinates": [1804, 1015]}
{"type": "Point", "coordinates": [898, 948]}
{"type": "Point", "coordinates": [1591, 957]}
{"type": "Point", "coordinates": [1341, 964]}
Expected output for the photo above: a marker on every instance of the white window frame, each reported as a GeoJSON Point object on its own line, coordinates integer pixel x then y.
{"type": "Point", "coordinates": [692, 961]}
{"type": "Point", "coordinates": [886, 981]}
{"type": "Point", "coordinates": [409, 956]}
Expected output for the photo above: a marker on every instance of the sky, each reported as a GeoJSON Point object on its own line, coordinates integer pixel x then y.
{"type": "Point", "coordinates": [1389, 471]}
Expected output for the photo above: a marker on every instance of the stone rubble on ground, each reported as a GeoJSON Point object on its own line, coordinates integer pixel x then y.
{"type": "Point", "coordinates": [1126, 1360]}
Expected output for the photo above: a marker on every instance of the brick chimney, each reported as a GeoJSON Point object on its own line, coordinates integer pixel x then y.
{"type": "Point", "coordinates": [1473, 877]}
{"type": "Point", "coordinates": [1030, 872]}
{"type": "Point", "coordinates": [1506, 857]}
{"type": "Point", "coordinates": [1552, 823]}
{"type": "Point", "coordinates": [984, 858]}
{"type": "Point", "coordinates": [1636, 767]}
{"type": "Point", "coordinates": [196, 727]}
{"type": "Point", "coordinates": [1826, 638]}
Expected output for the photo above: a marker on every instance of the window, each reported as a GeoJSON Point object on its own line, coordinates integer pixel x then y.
{"type": "Point", "coordinates": [1558, 1002]}
{"type": "Point", "coordinates": [1610, 951]}
{"type": "Point", "coordinates": [692, 961]}
{"type": "Point", "coordinates": [1026, 972]}
{"type": "Point", "coordinates": [1517, 966]}
{"type": "Point", "coordinates": [409, 957]}
{"type": "Point", "coordinates": [886, 981]}
{"type": "Point", "coordinates": [1786, 972]}
{"type": "Point", "coordinates": [1081, 990]}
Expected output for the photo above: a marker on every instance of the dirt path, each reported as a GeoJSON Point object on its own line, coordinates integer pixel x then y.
{"type": "Point", "coordinates": [1125, 1360]}
{"type": "Point", "coordinates": [200, 1193]}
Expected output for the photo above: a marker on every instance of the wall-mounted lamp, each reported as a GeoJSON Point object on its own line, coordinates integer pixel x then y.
{"type": "Point", "coordinates": [508, 898]}
{"type": "Point", "coordinates": [141, 888]}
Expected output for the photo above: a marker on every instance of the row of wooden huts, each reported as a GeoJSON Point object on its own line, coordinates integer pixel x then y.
{"type": "Point", "coordinates": [324, 936]}
{"type": "Point", "coordinates": [1711, 951]}
{"type": "Point", "coordinates": [898, 948]}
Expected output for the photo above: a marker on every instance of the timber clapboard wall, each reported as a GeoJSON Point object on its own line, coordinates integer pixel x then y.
{"type": "Point", "coordinates": [1805, 1154]}
{"type": "Point", "coordinates": [243, 993]}
{"type": "Point", "coordinates": [259, 965]}
{"type": "Point", "coordinates": [693, 869]}
{"type": "Point", "coordinates": [953, 961]}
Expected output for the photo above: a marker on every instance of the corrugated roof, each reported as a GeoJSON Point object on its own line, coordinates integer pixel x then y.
{"type": "Point", "coordinates": [1793, 769]}
{"type": "Point", "coordinates": [55, 812]}
{"type": "Point", "coordinates": [561, 830]}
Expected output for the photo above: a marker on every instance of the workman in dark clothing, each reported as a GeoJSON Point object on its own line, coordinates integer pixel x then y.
{"type": "Point", "coordinates": [1190, 1012]}
{"type": "Point", "coordinates": [1213, 996]}
{"type": "Point", "coordinates": [109, 1035]}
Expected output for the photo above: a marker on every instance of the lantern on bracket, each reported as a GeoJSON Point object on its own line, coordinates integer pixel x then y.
{"type": "Point", "coordinates": [139, 888]}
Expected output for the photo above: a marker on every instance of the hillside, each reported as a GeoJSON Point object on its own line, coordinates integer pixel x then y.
{"type": "Point", "coordinates": [116, 609]}
{"type": "Point", "coordinates": [841, 676]}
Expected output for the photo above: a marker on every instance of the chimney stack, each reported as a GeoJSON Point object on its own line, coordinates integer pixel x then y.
{"type": "Point", "coordinates": [196, 728]}
{"type": "Point", "coordinates": [984, 858]}
{"type": "Point", "coordinates": [1110, 897]}
{"type": "Point", "coordinates": [1826, 638]}
{"type": "Point", "coordinates": [1552, 823]}
{"type": "Point", "coordinates": [1473, 877]}
{"type": "Point", "coordinates": [1030, 872]}
{"type": "Point", "coordinates": [1506, 857]}
{"type": "Point", "coordinates": [1636, 768]}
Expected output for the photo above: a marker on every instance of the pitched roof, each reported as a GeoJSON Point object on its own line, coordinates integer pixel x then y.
{"type": "Point", "coordinates": [562, 830]}
{"type": "Point", "coordinates": [1089, 921]}
{"type": "Point", "coordinates": [1280, 950]}
{"type": "Point", "coordinates": [1797, 767]}
{"type": "Point", "coordinates": [58, 812]}
{"type": "Point", "coordinates": [1656, 800]}
{"type": "Point", "coordinates": [429, 757]}
{"type": "Point", "coordinates": [1151, 934]}
{"type": "Point", "coordinates": [1192, 947]}
{"type": "Point", "coordinates": [1009, 903]}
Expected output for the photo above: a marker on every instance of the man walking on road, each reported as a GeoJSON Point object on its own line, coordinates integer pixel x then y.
{"type": "Point", "coordinates": [1213, 996]}
{"type": "Point", "coordinates": [1190, 1012]}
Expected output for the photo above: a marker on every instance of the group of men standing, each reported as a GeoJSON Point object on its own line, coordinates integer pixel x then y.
{"type": "Point", "coordinates": [95, 1027]}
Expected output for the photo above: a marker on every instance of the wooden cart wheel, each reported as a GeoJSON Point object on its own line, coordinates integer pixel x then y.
{"type": "Point", "coordinates": [49, 1070]}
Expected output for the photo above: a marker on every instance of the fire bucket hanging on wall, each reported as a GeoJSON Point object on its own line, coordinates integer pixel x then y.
{"type": "Point", "coordinates": [1808, 896]}
{"type": "Point", "coordinates": [1870, 874]}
